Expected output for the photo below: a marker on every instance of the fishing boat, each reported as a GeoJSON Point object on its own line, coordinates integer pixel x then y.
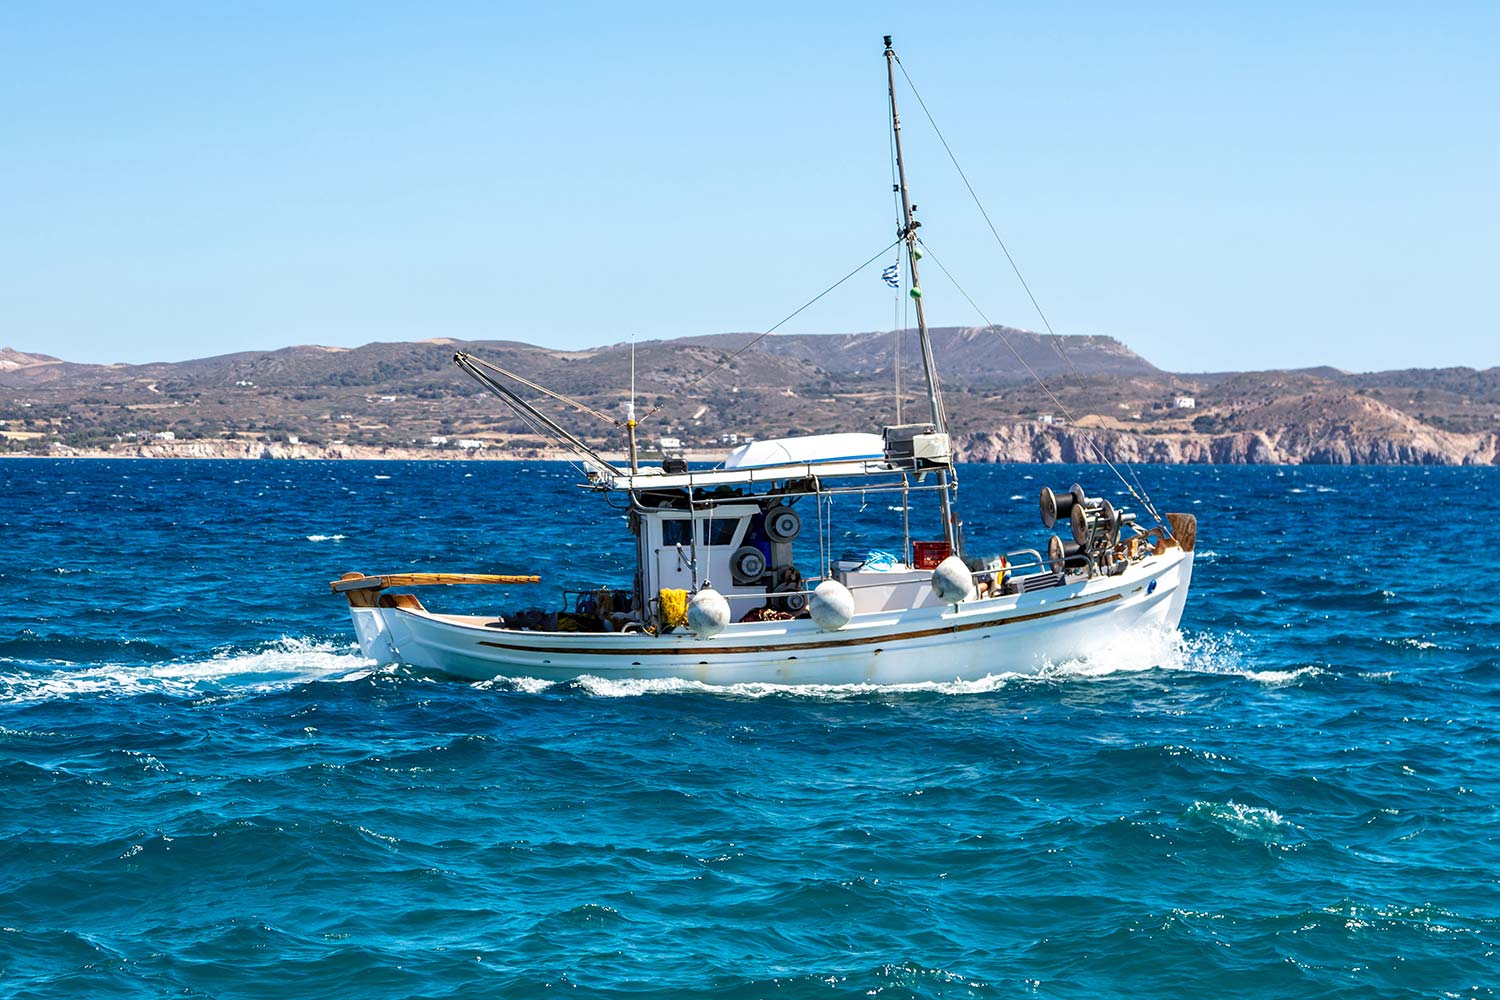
{"type": "Point", "coordinates": [725, 592]}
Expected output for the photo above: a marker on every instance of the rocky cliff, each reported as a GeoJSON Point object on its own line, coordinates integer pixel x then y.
{"type": "Point", "coordinates": [1344, 429]}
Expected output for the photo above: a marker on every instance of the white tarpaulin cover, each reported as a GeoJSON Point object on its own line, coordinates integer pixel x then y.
{"type": "Point", "coordinates": [812, 448]}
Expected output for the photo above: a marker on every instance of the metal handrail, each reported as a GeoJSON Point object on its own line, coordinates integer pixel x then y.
{"type": "Point", "coordinates": [1038, 563]}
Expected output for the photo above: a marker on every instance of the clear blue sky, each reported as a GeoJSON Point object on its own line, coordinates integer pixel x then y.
{"type": "Point", "coordinates": [1283, 185]}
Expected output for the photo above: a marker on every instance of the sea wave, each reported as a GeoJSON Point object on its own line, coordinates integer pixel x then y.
{"type": "Point", "coordinates": [284, 663]}
{"type": "Point", "coordinates": [1243, 822]}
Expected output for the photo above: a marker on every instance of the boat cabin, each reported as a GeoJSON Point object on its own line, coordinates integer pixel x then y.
{"type": "Point", "coordinates": [736, 527]}
{"type": "Point", "coordinates": [726, 547]}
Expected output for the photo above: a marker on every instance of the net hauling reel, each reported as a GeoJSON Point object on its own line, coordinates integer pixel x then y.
{"type": "Point", "coordinates": [1095, 523]}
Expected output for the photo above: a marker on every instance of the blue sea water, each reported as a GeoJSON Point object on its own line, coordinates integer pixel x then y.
{"type": "Point", "coordinates": [206, 792]}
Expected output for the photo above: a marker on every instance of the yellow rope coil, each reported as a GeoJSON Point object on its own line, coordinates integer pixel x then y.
{"type": "Point", "coordinates": [673, 604]}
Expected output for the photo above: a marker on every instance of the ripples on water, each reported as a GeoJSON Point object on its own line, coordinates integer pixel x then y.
{"type": "Point", "coordinates": [208, 793]}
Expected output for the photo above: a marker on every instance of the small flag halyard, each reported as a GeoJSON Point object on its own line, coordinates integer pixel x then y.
{"type": "Point", "coordinates": [890, 276]}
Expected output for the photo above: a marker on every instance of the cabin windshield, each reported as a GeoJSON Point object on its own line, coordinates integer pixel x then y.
{"type": "Point", "coordinates": [720, 530]}
{"type": "Point", "coordinates": [676, 531]}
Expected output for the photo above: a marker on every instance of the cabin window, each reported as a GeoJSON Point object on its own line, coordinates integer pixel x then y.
{"type": "Point", "coordinates": [719, 530]}
{"type": "Point", "coordinates": [676, 531]}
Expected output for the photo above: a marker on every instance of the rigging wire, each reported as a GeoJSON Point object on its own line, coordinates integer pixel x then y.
{"type": "Point", "coordinates": [1056, 340]}
{"type": "Point", "coordinates": [788, 318]}
{"type": "Point", "coordinates": [538, 387]}
{"type": "Point", "coordinates": [544, 432]}
{"type": "Point", "coordinates": [896, 349]}
{"type": "Point", "coordinates": [1144, 500]}
{"type": "Point", "coordinates": [900, 355]}
{"type": "Point", "coordinates": [528, 412]}
{"type": "Point", "coordinates": [905, 326]}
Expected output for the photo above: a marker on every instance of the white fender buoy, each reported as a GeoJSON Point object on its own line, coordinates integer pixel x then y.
{"type": "Point", "coordinates": [831, 606]}
{"type": "Point", "coordinates": [707, 613]}
{"type": "Point", "coordinates": [952, 582]}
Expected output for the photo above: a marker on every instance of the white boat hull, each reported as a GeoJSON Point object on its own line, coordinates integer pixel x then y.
{"type": "Point", "coordinates": [1013, 634]}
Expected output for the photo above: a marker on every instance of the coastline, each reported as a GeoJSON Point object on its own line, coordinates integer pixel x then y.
{"type": "Point", "coordinates": [196, 451]}
{"type": "Point", "coordinates": [1012, 443]}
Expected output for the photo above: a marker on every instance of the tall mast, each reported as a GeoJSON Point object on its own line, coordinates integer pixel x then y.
{"type": "Point", "coordinates": [908, 232]}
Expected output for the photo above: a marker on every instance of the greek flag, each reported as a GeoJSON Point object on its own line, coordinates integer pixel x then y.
{"type": "Point", "coordinates": [890, 276]}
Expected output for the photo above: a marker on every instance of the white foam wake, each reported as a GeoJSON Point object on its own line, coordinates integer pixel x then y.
{"type": "Point", "coordinates": [278, 665]}
{"type": "Point", "coordinates": [1133, 652]}
{"type": "Point", "coordinates": [289, 662]}
{"type": "Point", "coordinates": [602, 687]}
{"type": "Point", "coordinates": [1170, 649]}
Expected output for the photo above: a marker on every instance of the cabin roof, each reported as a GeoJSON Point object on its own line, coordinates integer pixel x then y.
{"type": "Point", "coordinates": [655, 479]}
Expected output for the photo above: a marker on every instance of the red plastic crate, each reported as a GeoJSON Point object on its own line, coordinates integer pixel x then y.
{"type": "Point", "coordinates": [927, 555]}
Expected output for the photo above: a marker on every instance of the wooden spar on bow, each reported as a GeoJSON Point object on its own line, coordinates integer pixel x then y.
{"type": "Point", "coordinates": [358, 581]}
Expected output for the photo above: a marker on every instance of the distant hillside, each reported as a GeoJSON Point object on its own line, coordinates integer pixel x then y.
{"type": "Point", "coordinates": [12, 360]}
{"type": "Point", "coordinates": [966, 353]}
{"type": "Point", "coordinates": [340, 401]}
